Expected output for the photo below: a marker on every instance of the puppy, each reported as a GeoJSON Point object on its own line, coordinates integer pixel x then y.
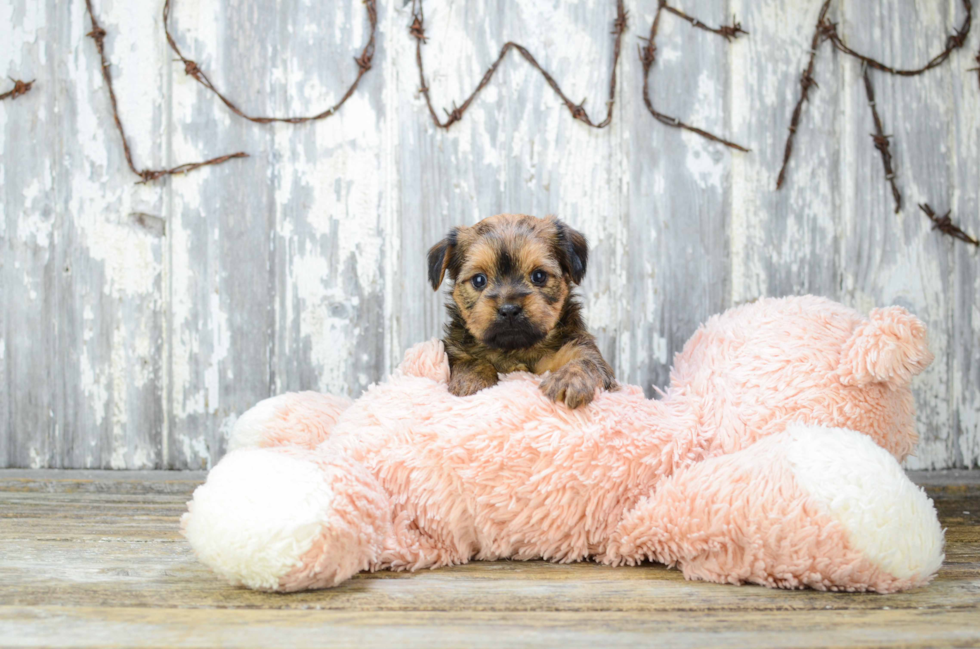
{"type": "Point", "coordinates": [513, 309]}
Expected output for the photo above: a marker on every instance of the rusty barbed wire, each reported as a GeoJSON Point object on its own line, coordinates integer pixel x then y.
{"type": "Point", "coordinates": [727, 31]}
{"type": "Point", "coordinates": [826, 30]}
{"type": "Point", "coordinates": [806, 82]}
{"type": "Point", "coordinates": [945, 225]}
{"type": "Point", "coordinates": [954, 41]}
{"type": "Point", "coordinates": [98, 34]}
{"type": "Point", "coordinates": [192, 69]}
{"type": "Point", "coordinates": [648, 55]}
{"type": "Point", "coordinates": [20, 88]}
{"type": "Point", "coordinates": [881, 140]}
{"type": "Point", "coordinates": [417, 30]}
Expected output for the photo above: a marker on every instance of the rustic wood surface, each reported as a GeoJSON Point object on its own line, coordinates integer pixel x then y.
{"type": "Point", "coordinates": [138, 321]}
{"type": "Point", "coordinates": [94, 559]}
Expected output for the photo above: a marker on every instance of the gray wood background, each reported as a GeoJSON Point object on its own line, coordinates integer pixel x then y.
{"type": "Point", "coordinates": [134, 342]}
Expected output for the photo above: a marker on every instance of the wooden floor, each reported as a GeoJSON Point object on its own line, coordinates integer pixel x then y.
{"type": "Point", "coordinates": [93, 559]}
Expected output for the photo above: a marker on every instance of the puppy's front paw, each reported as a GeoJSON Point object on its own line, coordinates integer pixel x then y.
{"type": "Point", "coordinates": [571, 384]}
{"type": "Point", "coordinates": [464, 383]}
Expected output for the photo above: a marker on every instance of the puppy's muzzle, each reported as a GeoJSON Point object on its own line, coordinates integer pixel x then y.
{"type": "Point", "coordinates": [512, 329]}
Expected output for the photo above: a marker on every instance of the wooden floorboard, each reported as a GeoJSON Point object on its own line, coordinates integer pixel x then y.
{"type": "Point", "coordinates": [93, 559]}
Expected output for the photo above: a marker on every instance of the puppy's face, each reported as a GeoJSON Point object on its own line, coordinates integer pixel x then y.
{"type": "Point", "coordinates": [512, 275]}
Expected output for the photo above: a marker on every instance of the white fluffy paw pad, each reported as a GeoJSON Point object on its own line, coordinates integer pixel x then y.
{"type": "Point", "coordinates": [258, 513]}
{"type": "Point", "coordinates": [889, 519]}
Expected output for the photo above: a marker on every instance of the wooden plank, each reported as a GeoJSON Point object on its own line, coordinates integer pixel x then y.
{"type": "Point", "coordinates": [89, 560]}
{"type": "Point", "coordinates": [279, 258]}
{"type": "Point", "coordinates": [116, 547]}
{"type": "Point", "coordinates": [83, 304]}
{"type": "Point", "coordinates": [154, 573]}
{"type": "Point", "coordinates": [135, 482]}
{"type": "Point", "coordinates": [109, 627]}
{"type": "Point", "coordinates": [787, 241]}
{"type": "Point", "coordinates": [329, 179]}
{"type": "Point", "coordinates": [220, 261]}
{"type": "Point", "coordinates": [962, 144]}
{"type": "Point", "coordinates": [890, 258]}
{"type": "Point", "coordinates": [678, 268]}
{"type": "Point", "coordinates": [135, 341]}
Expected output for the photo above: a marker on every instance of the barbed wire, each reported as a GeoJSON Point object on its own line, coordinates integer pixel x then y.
{"type": "Point", "coordinates": [806, 83]}
{"type": "Point", "coordinates": [945, 225]}
{"type": "Point", "coordinates": [954, 41]}
{"type": "Point", "coordinates": [20, 88]}
{"type": "Point", "coordinates": [826, 30]}
{"type": "Point", "coordinates": [192, 69]}
{"type": "Point", "coordinates": [417, 30]}
{"type": "Point", "coordinates": [882, 141]}
{"type": "Point", "coordinates": [648, 56]}
{"type": "Point", "coordinates": [98, 34]}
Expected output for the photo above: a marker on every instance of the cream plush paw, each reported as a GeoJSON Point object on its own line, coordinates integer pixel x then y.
{"type": "Point", "coordinates": [258, 513]}
{"type": "Point", "coordinates": [301, 419]}
{"type": "Point", "coordinates": [287, 519]}
{"type": "Point", "coordinates": [888, 519]}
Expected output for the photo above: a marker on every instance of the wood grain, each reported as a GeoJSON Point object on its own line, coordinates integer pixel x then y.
{"type": "Point", "coordinates": [134, 627]}
{"type": "Point", "coordinates": [138, 322]}
{"type": "Point", "coordinates": [907, 263]}
{"type": "Point", "coordinates": [95, 559]}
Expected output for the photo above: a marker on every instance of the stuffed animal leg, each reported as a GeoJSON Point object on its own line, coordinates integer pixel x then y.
{"type": "Point", "coordinates": [811, 507]}
{"type": "Point", "coordinates": [286, 519]}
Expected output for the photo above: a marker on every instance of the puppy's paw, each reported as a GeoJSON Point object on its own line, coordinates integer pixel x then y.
{"type": "Point", "coordinates": [572, 385]}
{"type": "Point", "coordinates": [465, 383]}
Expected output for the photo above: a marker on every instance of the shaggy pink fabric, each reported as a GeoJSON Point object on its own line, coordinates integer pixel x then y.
{"type": "Point", "coordinates": [759, 366]}
{"type": "Point", "coordinates": [430, 479]}
{"type": "Point", "coordinates": [889, 348]}
{"type": "Point", "coordinates": [301, 419]}
{"type": "Point", "coordinates": [351, 538]}
{"type": "Point", "coordinates": [743, 518]}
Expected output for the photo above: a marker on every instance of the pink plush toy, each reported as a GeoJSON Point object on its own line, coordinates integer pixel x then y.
{"type": "Point", "coordinates": [747, 470]}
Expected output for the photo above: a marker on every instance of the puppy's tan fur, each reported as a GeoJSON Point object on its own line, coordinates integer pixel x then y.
{"type": "Point", "coordinates": [548, 333]}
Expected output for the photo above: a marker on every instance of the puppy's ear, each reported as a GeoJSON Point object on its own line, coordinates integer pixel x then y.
{"type": "Point", "coordinates": [440, 258]}
{"type": "Point", "coordinates": [573, 251]}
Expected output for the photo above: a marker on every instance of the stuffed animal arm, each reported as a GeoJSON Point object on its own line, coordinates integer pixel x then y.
{"type": "Point", "coordinates": [749, 469]}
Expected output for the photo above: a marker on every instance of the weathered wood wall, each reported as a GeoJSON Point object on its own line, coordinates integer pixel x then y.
{"type": "Point", "coordinates": [133, 341]}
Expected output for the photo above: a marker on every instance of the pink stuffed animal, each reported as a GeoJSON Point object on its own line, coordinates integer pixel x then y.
{"type": "Point", "coordinates": [748, 469]}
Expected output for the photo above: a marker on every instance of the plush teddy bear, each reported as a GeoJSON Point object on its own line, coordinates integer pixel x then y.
{"type": "Point", "coordinates": [748, 469]}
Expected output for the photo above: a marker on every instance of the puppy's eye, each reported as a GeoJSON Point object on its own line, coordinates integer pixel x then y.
{"type": "Point", "coordinates": [479, 281]}
{"type": "Point", "coordinates": [539, 277]}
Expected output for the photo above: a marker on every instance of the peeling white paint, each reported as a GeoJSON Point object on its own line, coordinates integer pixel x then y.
{"type": "Point", "coordinates": [337, 290]}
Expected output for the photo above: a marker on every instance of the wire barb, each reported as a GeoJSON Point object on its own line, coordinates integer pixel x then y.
{"type": "Point", "coordinates": [882, 142]}
{"type": "Point", "coordinates": [826, 30]}
{"type": "Point", "coordinates": [954, 41]}
{"type": "Point", "coordinates": [945, 225]}
{"type": "Point", "coordinates": [98, 35]}
{"type": "Point", "coordinates": [20, 88]}
{"type": "Point", "coordinates": [363, 63]}
{"type": "Point", "coordinates": [648, 55]}
{"type": "Point", "coordinates": [578, 112]}
{"type": "Point", "coordinates": [807, 82]}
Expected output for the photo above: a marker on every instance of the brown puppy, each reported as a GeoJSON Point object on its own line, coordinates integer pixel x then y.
{"type": "Point", "coordinates": [513, 308]}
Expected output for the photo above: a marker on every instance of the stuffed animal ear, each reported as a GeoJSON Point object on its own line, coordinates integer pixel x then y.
{"type": "Point", "coordinates": [890, 347]}
{"type": "Point", "coordinates": [440, 258]}
{"type": "Point", "coordinates": [573, 251]}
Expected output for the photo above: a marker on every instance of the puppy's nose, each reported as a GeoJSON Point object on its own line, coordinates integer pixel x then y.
{"type": "Point", "coordinates": [509, 310]}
